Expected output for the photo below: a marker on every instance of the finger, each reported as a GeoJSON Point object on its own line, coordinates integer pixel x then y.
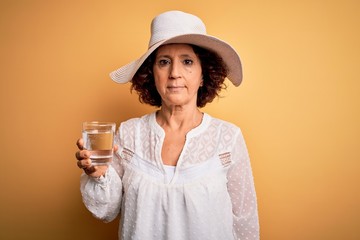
{"type": "Point", "coordinates": [116, 147]}
{"type": "Point", "coordinates": [77, 155]}
{"type": "Point", "coordinates": [80, 143]}
{"type": "Point", "coordinates": [79, 164]}
{"type": "Point", "coordinates": [86, 163]}
{"type": "Point", "coordinates": [80, 155]}
{"type": "Point", "coordinates": [89, 170]}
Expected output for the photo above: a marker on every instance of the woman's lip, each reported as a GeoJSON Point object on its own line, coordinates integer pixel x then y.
{"type": "Point", "coordinates": [176, 86]}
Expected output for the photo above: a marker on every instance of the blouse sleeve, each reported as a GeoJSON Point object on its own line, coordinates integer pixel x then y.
{"type": "Point", "coordinates": [102, 197]}
{"type": "Point", "coordinates": [242, 193]}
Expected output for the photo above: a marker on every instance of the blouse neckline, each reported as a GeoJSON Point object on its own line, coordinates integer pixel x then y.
{"type": "Point", "coordinates": [192, 133]}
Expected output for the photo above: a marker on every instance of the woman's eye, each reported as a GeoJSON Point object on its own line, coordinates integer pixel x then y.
{"type": "Point", "coordinates": [188, 62]}
{"type": "Point", "coordinates": [163, 62]}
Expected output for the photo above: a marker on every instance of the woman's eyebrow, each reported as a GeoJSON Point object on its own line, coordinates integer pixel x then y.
{"type": "Point", "coordinates": [168, 56]}
{"type": "Point", "coordinates": [162, 56]}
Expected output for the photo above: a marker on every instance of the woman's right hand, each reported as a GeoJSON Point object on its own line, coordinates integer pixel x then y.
{"type": "Point", "coordinates": [84, 162]}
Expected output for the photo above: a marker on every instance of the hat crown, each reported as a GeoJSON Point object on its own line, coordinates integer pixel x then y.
{"type": "Point", "coordinates": [174, 23]}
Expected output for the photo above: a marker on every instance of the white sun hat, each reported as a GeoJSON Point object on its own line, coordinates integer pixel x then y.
{"type": "Point", "coordinates": [180, 27]}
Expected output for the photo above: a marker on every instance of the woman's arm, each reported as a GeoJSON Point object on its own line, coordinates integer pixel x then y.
{"type": "Point", "coordinates": [102, 196]}
{"type": "Point", "coordinates": [242, 193]}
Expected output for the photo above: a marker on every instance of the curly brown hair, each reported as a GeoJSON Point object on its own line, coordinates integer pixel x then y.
{"type": "Point", "coordinates": [214, 72]}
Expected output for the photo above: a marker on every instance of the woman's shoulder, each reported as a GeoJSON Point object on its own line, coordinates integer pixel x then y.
{"type": "Point", "coordinates": [222, 124]}
{"type": "Point", "coordinates": [135, 121]}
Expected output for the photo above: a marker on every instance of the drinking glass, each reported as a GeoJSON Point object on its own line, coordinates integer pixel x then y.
{"type": "Point", "coordinates": [99, 140]}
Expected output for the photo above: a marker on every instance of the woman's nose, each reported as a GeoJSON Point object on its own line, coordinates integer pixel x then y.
{"type": "Point", "coordinates": [174, 70]}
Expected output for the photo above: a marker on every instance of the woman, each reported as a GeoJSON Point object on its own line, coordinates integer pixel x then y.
{"type": "Point", "coordinates": [177, 173]}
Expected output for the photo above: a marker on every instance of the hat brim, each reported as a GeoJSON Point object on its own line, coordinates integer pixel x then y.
{"type": "Point", "coordinates": [232, 60]}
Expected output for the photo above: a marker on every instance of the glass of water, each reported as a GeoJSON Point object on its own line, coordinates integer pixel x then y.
{"type": "Point", "coordinates": [99, 140]}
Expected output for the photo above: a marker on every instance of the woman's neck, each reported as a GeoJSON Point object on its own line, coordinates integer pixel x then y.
{"type": "Point", "coordinates": [179, 118]}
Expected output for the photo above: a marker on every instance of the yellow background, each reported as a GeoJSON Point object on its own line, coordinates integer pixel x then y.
{"type": "Point", "coordinates": [298, 107]}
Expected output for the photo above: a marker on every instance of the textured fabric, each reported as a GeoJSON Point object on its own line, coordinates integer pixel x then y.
{"type": "Point", "coordinates": [210, 196]}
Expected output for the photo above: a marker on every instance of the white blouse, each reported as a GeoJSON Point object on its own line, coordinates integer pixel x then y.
{"type": "Point", "coordinates": [210, 194]}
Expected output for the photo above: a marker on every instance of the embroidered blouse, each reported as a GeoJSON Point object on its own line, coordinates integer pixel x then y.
{"type": "Point", "coordinates": [210, 194]}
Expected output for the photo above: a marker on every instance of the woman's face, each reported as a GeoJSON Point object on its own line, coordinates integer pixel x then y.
{"type": "Point", "coordinates": [178, 75]}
